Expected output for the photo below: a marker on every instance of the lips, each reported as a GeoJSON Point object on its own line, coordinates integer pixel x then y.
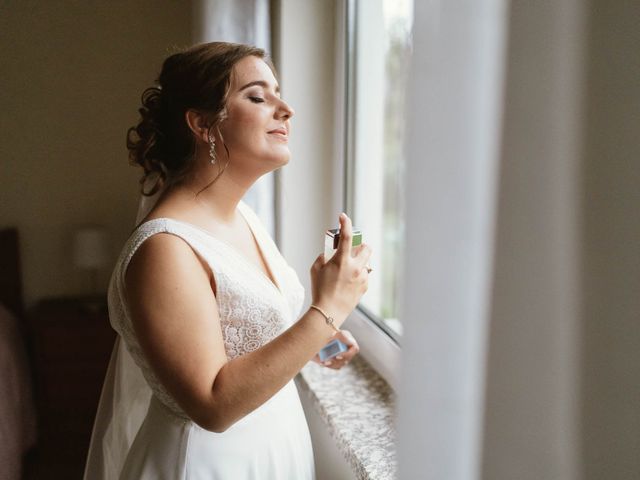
{"type": "Point", "coordinates": [280, 131]}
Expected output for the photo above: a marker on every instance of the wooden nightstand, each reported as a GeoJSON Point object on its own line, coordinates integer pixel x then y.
{"type": "Point", "coordinates": [71, 342]}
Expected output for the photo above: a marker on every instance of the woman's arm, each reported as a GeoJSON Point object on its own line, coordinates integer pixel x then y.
{"type": "Point", "coordinates": [176, 320]}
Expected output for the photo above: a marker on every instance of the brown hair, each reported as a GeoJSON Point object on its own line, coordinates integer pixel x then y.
{"type": "Point", "coordinates": [197, 78]}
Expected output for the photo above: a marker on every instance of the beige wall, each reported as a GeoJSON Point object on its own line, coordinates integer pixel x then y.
{"type": "Point", "coordinates": [306, 63]}
{"type": "Point", "coordinates": [71, 75]}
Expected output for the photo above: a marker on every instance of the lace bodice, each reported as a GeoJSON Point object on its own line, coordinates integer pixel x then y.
{"type": "Point", "coordinates": [252, 309]}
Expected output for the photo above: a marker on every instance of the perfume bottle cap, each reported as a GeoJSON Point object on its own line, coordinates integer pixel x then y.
{"type": "Point", "coordinates": [334, 234]}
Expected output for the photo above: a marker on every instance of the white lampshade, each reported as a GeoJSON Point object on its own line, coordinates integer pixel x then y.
{"type": "Point", "coordinates": [91, 247]}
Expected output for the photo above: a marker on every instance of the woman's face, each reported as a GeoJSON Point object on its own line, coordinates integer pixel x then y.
{"type": "Point", "coordinates": [256, 130]}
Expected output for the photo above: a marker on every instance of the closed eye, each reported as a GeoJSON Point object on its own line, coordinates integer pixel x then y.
{"type": "Point", "coordinates": [256, 99]}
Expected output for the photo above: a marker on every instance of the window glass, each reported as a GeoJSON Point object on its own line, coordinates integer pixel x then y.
{"type": "Point", "coordinates": [378, 62]}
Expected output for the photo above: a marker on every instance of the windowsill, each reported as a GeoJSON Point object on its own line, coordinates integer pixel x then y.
{"type": "Point", "coordinates": [358, 408]}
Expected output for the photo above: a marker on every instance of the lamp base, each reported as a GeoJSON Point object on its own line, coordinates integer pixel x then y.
{"type": "Point", "coordinates": [93, 303]}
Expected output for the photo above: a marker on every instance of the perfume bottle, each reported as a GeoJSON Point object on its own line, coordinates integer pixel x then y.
{"type": "Point", "coordinates": [331, 349]}
{"type": "Point", "coordinates": [332, 238]}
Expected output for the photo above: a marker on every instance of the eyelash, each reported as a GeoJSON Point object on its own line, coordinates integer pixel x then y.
{"type": "Point", "coordinates": [256, 99]}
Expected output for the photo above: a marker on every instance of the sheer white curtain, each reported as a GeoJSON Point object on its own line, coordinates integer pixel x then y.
{"type": "Point", "coordinates": [240, 21]}
{"type": "Point", "coordinates": [489, 381]}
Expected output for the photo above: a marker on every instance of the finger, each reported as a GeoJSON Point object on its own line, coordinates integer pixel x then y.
{"type": "Point", "coordinates": [362, 274]}
{"type": "Point", "coordinates": [352, 346]}
{"type": "Point", "coordinates": [353, 349]}
{"type": "Point", "coordinates": [363, 255]}
{"type": "Point", "coordinates": [348, 338]}
{"type": "Point", "coordinates": [319, 262]}
{"type": "Point", "coordinates": [351, 352]}
{"type": "Point", "coordinates": [346, 237]}
{"type": "Point", "coordinates": [355, 251]}
{"type": "Point", "coordinates": [344, 358]}
{"type": "Point", "coordinates": [338, 365]}
{"type": "Point", "coordinates": [342, 363]}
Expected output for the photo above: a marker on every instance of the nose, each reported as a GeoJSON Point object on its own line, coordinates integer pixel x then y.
{"type": "Point", "coordinates": [284, 110]}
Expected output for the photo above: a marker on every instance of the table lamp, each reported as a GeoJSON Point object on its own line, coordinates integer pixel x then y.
{"type": "Point", "coordinates": [91, 252]}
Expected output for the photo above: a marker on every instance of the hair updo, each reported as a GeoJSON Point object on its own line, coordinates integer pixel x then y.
{"type": "Point", "coordinates": [197, 78]}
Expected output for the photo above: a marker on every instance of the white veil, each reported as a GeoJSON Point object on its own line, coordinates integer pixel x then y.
{"type": "Point", "coordinates": [123, 402]}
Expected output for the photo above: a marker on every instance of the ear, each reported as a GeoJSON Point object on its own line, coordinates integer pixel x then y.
{"type": "Point", "coordinates": [198, 124]}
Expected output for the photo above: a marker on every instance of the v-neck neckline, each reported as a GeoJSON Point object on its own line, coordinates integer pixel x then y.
{"type": "Point", "coordinates": [274, 283]}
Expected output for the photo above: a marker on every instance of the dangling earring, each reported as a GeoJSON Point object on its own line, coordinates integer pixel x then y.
{"type": "Point", "coordinates": [212, 149]}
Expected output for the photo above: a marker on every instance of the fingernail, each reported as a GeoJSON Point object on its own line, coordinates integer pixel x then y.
{"type": "Point", "coordinates": [328, 362]}
{"type": "Point", "coordinates": [339, 357]}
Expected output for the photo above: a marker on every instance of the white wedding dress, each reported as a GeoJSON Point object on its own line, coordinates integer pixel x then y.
{"type": "Point", "coordinates": [140, 431]}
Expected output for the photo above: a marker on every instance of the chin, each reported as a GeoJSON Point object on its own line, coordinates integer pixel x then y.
{"type": "Point", "coordinates": [272, 164]}
{"type": "Point", "coordinates": [281, 160]}
{"type": "Point", "coordinates": [285, 160]}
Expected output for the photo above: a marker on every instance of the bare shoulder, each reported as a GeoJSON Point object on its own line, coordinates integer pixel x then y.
{"type": "Point", "coordinates": [166, 276]}
{"type": "Point", "coordinates": [161, 256]}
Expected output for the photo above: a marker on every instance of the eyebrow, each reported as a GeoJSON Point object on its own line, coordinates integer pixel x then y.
{"type": "Point", "coordinates": [260, 83]}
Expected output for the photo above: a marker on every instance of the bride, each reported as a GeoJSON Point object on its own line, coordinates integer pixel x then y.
{"type": "Point", "coordinates": [211, 333]}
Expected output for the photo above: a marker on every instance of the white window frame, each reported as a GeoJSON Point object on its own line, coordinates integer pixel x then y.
{"type": "Point", "coordinates": [377, 346]}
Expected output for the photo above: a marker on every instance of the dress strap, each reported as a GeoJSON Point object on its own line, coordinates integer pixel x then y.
{"type": "Point", "coordinates": [162, 225]}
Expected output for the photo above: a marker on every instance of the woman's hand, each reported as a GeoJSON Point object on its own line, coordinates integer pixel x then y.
{"type": "Point", "coordinates": [343, 358]}
{"type": "Point", "coordinates": [338, 285]}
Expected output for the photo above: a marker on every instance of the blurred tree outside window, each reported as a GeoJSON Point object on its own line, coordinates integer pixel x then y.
{"type": "Point", "coordinates": [379, 65]}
